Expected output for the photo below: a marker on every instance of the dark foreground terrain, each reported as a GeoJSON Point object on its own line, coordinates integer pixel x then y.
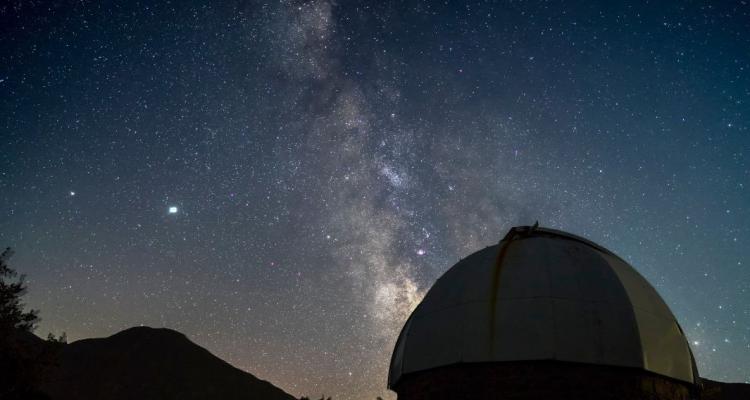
{"type": "Point", "coordinates": [713, 390]}
{"type": "Point", "coordinates": [146, 363]}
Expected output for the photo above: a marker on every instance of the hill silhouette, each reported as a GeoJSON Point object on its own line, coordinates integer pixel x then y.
{"type": "Point", "coordinates": [714, 390]}
{"type": "Point", "coordinates": [147, 363]}
{"type": "Point", "coordinates": [158, 363]}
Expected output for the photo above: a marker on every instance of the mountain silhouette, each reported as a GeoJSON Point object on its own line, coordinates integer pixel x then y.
{"type": "Point", "coordinates": [147, 363]}
{"type": "Point", "coordinates": [157, 363]}
{"type": "Point", "coordinates": [714, 390]}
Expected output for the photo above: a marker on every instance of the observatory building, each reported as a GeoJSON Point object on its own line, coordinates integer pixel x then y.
{"type": "Point", "coordinates": [542, 315]}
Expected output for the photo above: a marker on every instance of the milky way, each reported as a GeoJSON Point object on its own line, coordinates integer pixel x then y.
{"type": "Point", "coordinates": [283, 181]}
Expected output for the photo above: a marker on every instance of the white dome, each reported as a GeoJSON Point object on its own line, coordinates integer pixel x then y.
{"type": "Point", "coordinates": [542, 294]}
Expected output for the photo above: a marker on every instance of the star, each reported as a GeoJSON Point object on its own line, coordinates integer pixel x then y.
{"type": "Point", "coordinates": [363, 154]}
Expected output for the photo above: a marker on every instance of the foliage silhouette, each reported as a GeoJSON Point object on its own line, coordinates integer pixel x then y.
{"type": "Point", "coordinates": [24, 358]}
{"type": "Point", "coordinates": [12, 315]}
{"type": "Point", "coordinates": [62, 339]}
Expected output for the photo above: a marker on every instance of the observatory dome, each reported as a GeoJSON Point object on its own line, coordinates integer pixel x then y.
{"type": "Point", "coordinates": [542, 294]}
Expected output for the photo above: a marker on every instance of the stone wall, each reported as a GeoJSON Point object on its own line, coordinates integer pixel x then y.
{"type": "Point", "coordinates": [546, 380]}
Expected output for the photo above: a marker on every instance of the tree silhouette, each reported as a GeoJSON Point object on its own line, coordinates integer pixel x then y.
{"type": "Point", "coordinates": [12, 315]}
{"type": "Point", "coordinates": [23, 360]}
{"type": "Point", "coordinates": [62, 339]}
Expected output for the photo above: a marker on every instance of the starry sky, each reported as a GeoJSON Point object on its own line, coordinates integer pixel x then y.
{"type": "Point", "coordinates": [282, 181]}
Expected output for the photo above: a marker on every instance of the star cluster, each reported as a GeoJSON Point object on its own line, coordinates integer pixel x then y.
{"type": "Point", "coordinates": [282, 181]}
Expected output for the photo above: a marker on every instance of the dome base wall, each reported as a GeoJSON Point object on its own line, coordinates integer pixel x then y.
{"type": "Point", "coordinates": [549, 380]}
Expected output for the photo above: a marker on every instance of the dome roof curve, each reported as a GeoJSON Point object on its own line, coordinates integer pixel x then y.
{"type": "Point", "coordinates": [542, 294]}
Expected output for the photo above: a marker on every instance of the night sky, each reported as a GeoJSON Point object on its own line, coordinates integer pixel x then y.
{"type": "Point", "coordinates": [283, 181]}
